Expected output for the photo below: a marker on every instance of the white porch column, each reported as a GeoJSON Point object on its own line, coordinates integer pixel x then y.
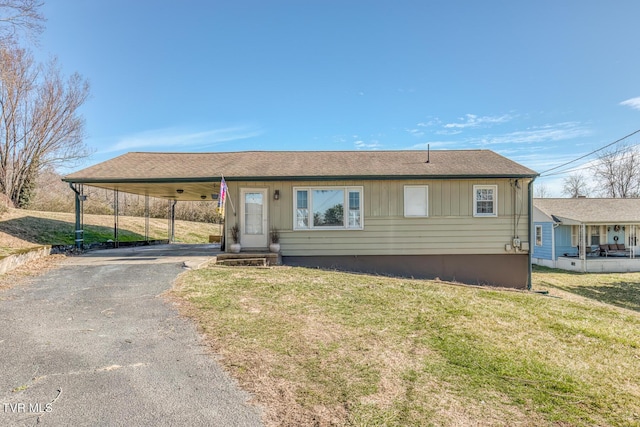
{"type": "Point", "coordinates": [583, 246]}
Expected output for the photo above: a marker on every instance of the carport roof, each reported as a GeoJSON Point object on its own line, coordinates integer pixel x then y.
{"type": "Point", "coordinates": [133, 172]}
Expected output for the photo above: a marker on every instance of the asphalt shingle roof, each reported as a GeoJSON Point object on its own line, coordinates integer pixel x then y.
{"type": "Point", "coordinates": [588, 210]}
{"type": "Point", "coordinates": [146, 166]}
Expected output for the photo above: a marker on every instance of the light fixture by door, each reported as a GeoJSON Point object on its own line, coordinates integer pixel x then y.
{"type": "Point", "coordinates": [276, 195]}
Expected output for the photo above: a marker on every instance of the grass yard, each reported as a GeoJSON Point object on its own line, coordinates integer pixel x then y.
{"type": "Point", "coordinates": [622, 290]}
{"type": "Point", "coordinates": [328, 348]}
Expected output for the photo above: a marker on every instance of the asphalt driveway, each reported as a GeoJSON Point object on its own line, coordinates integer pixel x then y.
{"type": "Point", "coordinates": [93, 343]}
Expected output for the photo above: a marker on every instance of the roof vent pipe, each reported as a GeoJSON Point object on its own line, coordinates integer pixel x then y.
{"type": "Point", "coordinates": [428, 153]}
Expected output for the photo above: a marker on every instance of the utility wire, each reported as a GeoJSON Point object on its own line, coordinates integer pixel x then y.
{"type": "Point", "coordinates": [589, 154]}
{"type": "Point", "coordinates": [588, 166]}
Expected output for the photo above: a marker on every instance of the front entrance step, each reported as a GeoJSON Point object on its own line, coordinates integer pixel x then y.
{"type": "Point", "coordinates": [248, 259]}
{"type": "Point", "coordinates": [255, 262]}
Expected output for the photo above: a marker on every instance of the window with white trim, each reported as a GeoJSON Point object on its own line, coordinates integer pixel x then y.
{"type": "Point", "coordinates": [485, 200]}
{"type": "Point", "coordinates": [594, 232]}
{"type": "Point", "coordinates": [416, 200]}
{"type": "Point", "coordinates": [576, 235]}
{"type": "Point", "coordinates": [327, 208]}
{"type": "Point", "coordinates": [538, 235]}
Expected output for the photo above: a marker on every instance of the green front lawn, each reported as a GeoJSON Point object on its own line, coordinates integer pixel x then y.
{"type": "Point", "coordinates": [328, 347]}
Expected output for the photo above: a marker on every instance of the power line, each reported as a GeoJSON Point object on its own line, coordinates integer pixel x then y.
{"type": "Point", "coordinates": [589, 166]}
{"type": "Point", "coordinates": [562, 172]}
{"type": "Point", "coordinates": [588, 154]}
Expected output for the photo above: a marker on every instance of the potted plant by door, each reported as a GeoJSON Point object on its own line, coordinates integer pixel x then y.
{"type": "Point", "coordinates": [235, 236]}
{"type": "Point", "coordinates": [275, 240]}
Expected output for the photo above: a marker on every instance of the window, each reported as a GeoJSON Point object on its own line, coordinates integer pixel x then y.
{"type": "Point", "coordinates": [538, 235]}
{"type": "Point", "coordinates": [576, 235]}
{"type": "Point", "coordinates": [354, 209]}
{"type": "Point", "coordinates": [253, 213]}
{"type": "Point", "coordinates": [302, 209]}
{"type": "Point", "coordinates": [416, 200]}
{"type": "Point", "coordinates": [485, 200]}
{"type": "Point", "coordinates": [324, 208]}
{"type": "Point", "coordinates": [595, 234]}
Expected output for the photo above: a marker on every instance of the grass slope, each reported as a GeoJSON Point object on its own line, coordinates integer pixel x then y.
{"type": "Point", "coordinates": [330, 348]}
{"type": "Point", "coordinates": [20, 229]}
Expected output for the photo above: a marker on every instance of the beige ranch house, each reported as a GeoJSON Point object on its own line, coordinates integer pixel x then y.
{"type": "Point", "coordinates": [461, 215]}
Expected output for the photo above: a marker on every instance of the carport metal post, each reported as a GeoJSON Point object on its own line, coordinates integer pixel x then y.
{"type": "Point", "coordinates": [79, 231]}
{"type": "Point", "coordinates": [116, 209]}
{"type": "Point", "coordinates": [146, 218]}
{"type": "Point", "coordinates": [172, 220]}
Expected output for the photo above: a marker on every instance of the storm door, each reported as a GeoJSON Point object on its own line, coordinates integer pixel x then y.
{"type": "Point", "coordinates": [253, 218]}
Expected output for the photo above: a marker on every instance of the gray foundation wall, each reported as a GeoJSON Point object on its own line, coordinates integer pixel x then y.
{"type": "Point", "coordinates": [511, 271]}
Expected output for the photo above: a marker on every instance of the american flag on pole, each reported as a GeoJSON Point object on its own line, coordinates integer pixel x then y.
{"type": "Point", "coordinates": [223, 193]}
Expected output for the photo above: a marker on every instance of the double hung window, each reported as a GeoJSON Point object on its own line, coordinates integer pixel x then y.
{"type": "Point", "coordinates": [538, 235]}
{"type": "Point", "coordinates": [485, 200]}
{"type": "Point", "coordinates": [594, 231]}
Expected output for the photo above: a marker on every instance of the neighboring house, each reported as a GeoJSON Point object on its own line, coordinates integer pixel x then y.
{"type": "Point", "coordinates": [457, 215]}
{"type": "Point", "coordinates": [589, 235]}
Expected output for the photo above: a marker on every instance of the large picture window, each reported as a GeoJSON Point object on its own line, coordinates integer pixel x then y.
{"type": "Point", "coordinates": [485, 200]}
{"type": "Point", "coordinates": [328, 208]}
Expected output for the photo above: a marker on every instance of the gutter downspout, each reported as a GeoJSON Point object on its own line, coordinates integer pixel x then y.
{"type": "Point", "coordinates": [554, 258]}
{"type": "Point", "coordinates": [530, 227]}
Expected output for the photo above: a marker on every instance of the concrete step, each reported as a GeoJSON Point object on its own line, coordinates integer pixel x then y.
{"type": "Point", "coordinates": [255, 262]}
{"type": "Point", "coordinates": [249, 259]}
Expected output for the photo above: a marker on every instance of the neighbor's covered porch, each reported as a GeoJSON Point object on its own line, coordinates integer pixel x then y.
{"type": "Point", "coordinates": [601, 247]}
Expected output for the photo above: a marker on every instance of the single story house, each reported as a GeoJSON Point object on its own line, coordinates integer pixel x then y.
{"type": "Point", "coordinates": [460, 215]}
{"type": "Point", "coordinates": [588, 235]}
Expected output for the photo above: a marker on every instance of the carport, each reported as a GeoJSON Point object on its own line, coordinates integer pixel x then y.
{"type": "Point", "coordinates": [176, 177]}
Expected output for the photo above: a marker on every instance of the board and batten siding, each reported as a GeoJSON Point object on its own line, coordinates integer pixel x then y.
{"type": "Point", "coordinates": [450, 227]}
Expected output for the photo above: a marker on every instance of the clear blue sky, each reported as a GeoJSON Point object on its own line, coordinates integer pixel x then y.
{"type": "Point", "coordinates": [541, 82]}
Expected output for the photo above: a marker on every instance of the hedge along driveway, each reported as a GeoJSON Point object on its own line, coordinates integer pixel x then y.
{"type": "Point", "coordinates": [92, 342]}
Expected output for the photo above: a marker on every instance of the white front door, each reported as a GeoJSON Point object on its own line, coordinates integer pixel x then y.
{"type": "Point", "coordinates": [253, 218]}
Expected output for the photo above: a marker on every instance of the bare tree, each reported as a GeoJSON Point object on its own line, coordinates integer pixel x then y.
{"type": "Point", "coordinates": [541, 190]}
{"type": "Point", "coordinates": [617, 172]}
{"type": "Point", "coordinates": [20, 15]}
{"type": "Point", "coordinates": [575, 185]}
{"type": "Point", "coordinates": [40, 125]}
